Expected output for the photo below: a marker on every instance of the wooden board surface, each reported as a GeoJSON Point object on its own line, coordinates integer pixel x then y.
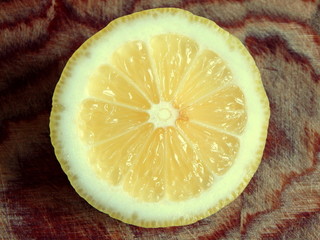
{"type": "Point", "coordinates": [281, 202]}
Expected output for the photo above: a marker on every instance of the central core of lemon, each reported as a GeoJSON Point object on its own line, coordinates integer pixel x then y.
{"type": "Point", "coordinates": [163, 114]}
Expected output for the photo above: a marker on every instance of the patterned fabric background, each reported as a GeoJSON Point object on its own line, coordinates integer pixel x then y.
{"type": "Point", "coordinates": [281, 202]}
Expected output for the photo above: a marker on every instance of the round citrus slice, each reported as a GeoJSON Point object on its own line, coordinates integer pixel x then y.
{"type": "Point", "coordinates": [160, 119]}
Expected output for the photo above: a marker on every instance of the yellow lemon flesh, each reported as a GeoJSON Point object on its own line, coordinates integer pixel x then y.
{"type": "Point", "coordinates": [160, 119]}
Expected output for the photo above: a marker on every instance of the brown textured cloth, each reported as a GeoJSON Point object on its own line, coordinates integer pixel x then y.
{"type": "Point", "coordinates": [281, 202]}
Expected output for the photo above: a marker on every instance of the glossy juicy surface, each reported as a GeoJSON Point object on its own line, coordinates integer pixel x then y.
{"type": "Point", "coordinates": [163, 119]}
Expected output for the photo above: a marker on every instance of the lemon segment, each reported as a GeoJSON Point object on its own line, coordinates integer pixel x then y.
{"type": "Point", "coordinates": [146, 179]}
{"type": "Point", "coordinates": [108, 84]}
{"type": "Point", "coordinates": [193, 177]}
{"type": "Point", "coordinates": [112, 159]}
{"type": "Point", "coordinates": [216, 149]}
{"type": "Point", "coordinates": [208, 73]}
{"type": "Point", "coordinates": [173, 55]}
{"type": "Point", "coordinates": [224, 109]}
{"type": "Point", "coordinates": [132, 59]}
{"type": "Point", "coordinates": [99, 120]}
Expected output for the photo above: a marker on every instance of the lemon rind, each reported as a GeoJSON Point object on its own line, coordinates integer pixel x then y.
{"type": "Point", "coordinates": [57, 108]}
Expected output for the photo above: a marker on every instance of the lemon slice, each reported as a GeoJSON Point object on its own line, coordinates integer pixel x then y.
{"type": "Point", "coordinates": [160, 119]}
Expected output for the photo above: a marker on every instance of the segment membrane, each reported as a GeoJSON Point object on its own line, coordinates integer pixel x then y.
{"type": "Point", "coordinates": [173, 55]}
{"type": "Point", "coordinates": [100, 121]}
{"type": "Point", "coordinates": [133, 60]}
{"type": "Point", "coordinates": [224, 109]}
{"type": "Point", "coordinates": [108, 84]}
{"type": "Point", "coordinates": [217, 150]}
